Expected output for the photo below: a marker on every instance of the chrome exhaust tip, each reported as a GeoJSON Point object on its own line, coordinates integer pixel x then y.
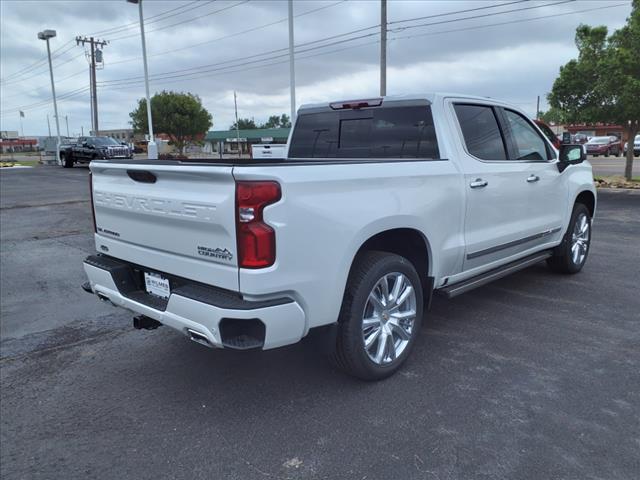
{"type": "Point", "coordinates": [199, 338]}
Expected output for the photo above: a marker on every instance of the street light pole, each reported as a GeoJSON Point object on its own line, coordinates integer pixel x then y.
{"type": "Point", "coordinates": [292, 66]}
{"type": "Point", "coordinates": [46, 35]}
{"type": "Point", "coordinates": [152, 148]}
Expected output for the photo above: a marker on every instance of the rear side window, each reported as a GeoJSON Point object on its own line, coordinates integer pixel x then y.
{"type": "Point", "coordinates": [387, 132]}
{"type": "Point", "coordinates": [481, 133]}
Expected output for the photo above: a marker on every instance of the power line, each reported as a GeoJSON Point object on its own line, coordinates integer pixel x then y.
{"type": "Point", "coordinates": [207, 68]}
{"type": "Point", "coordinates": [35, 64]}
{"type": "Point", "coordinates": [230, 69]}
{"type": "Point", "coordinates": [34, 67]}
{"type": "Point", "coordinates": [484, 7]}
{"type": "Point", "coordinates": [509, 22]}
{"type": "Point", "coordinates": [473, 17]}
{"type": "Point", "coordinates": [39, 73]}
{"type": "Point", "coordinates": [148, 20]}
{"type": "Point", "coordinates": [231, 35]}
{"type": "Point", "coordinates": [164, 27]}
{"type": "Point", "coordinates": [308, 12]}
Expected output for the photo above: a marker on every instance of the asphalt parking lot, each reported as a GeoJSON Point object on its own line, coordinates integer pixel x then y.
{"type": "Point", "coordinates": [607, 166]}
{"type": "Point", "coordinates": [536, 376]}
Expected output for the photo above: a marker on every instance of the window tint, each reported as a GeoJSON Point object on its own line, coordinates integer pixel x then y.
{"type": "Point", "coordinates": [548, 132]}
{"type": "Point", "coordinates": [387, 132]}
{"type": "Point", "coordinates": [481, 132]}
{"type": "Point", "coordinates": [528, 143]}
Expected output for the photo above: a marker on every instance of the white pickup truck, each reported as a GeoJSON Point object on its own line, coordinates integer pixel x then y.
{"type": "Point", "coordinates": [378, 204]}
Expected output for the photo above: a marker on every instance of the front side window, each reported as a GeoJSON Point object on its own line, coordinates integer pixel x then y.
{"type": "Point", "coordinates": [386, 132]}
{"type": "Point", "coordinates": [528, 143]}
{"type": "Point", "coordinates": [481, 133]}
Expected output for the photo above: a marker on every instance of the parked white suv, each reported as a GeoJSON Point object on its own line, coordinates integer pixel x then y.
{"type": "Point", "coordinates": [378, 204]}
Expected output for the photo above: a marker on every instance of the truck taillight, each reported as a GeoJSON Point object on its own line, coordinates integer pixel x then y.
{"type": "Point", "coordinates": [93, 211]}
{"type": "Point", "coordinates": [256, 240]}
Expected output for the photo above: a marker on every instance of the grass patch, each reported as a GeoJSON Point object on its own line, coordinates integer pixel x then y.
{"type": "Point", "coordinates": [616, 181]}
{"type": "Point", "coordinates": [21, 163]}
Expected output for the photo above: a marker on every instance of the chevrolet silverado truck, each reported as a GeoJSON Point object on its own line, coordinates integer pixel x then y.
{"type": "Point", "coordinates": [378, 205]}
{"type": "Point", "coordinates": [93, 148]}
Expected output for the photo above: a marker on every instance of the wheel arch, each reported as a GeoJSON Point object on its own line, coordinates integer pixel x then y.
{"type": "Point", "coordinates": [409, 243]}
{"type": "Point", "coordinates": [588, 199]}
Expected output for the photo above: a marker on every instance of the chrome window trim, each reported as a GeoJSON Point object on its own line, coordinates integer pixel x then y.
{"type": "Point", "coordinates": [452, 104]}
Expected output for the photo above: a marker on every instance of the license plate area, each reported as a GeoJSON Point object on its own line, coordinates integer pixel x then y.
{"type": "Point", "coordinates": [157, 285]}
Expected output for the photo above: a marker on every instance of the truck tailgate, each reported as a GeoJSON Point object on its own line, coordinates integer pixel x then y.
{"type": "Point", "coordinates": [178, 219]}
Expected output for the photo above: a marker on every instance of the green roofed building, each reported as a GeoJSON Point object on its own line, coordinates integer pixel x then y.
{"type": "Point", "coordinates": [226, 141]}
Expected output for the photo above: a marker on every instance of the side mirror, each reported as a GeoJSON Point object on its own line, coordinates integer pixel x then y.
{"type": "Point", "coordinates": [571, 155]}
{"type": "Point", "coordinates": [85, 144]}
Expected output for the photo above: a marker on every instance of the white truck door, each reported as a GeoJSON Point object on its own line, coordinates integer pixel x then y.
{"type": "Point", "coordinates": [545, 187]}
{"type": "Point", "coordinates": [498, 224]}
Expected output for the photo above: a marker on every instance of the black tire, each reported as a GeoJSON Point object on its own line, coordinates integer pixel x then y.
{"type": "Point", "coordinates": [67, 160]}
{"type": "Point", "coordinates": [350, 354]}
{"type": "Point", "coordinates": [563, 260]}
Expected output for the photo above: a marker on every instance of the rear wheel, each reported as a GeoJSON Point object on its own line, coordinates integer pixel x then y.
{"type": "Point", "coordinates": [571, 255]}
{"type": "Point", "coordinates": [380, 316]}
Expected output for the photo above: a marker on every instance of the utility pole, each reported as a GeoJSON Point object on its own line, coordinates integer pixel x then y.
{"type": "Point", "coordinates": [383, 48]}
{"type": "Point", "coordinates": [235, 103]}
{"type": "Point", "coordinates": [538, 108]}
{"type": "Point", "coordinates": [66, 119]}
{"type": "Point", "coordinates": [92, 73]}
{"type": "Point", "coordinates": [48, 125]}
{"type": "Point", "coordinates": [292, 66]}
{"type": "Point", "coordinates": [82, 130]}
{"type": "Point", "coordinates": [93, 127]}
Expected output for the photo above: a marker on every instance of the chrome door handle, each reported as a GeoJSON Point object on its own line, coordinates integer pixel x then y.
{"type": "Point", "coordinates": [533, 178]}
{"type": "Point", "coordinates": [478, 183]}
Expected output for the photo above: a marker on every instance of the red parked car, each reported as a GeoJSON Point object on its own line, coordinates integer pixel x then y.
{"type": "Point", "coordinates": [603, 146]}
{"type": "Point", "coordinates": [548, 133]}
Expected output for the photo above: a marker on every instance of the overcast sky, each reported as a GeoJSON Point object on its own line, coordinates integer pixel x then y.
{"type": "Point", "coordinates": [205, 46]}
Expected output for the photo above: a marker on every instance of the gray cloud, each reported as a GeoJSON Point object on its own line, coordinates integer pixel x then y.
{"type": "Point", "coordinates": [516, 62]}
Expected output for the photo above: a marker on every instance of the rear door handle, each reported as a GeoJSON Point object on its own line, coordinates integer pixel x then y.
{"type": "Point", "coordinates": [533, 178]}
{"type": "Point", "coordinates": [478, 183]}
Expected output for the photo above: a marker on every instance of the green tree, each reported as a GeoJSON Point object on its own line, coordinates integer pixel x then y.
{"type": "Point", "coordinates": [244, 124]}
{"type": "Point", "coordinates": [275, 121]}
{"type": "Point", "coordinates": [181, 116]}
{"type": "Point", "coordinates": [603, 83]}
{"type": "Point", "coordinates": [553, 115]}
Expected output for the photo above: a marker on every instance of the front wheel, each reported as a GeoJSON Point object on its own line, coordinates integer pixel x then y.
{"type": "Point", "coordinates": [571, 255]}
{"type": "Point", "coordinates": [67, 160]}
{"type": "Point", "coordinates": [380, 316]}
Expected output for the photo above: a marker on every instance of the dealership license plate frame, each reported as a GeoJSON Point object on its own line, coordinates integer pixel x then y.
{"type": "Point", "coordinates": [157, 285]}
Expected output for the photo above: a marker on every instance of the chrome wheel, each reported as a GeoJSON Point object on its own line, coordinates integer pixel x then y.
{"type": "Point", "coordinates": [580, 239]}
{"type": "Point", "coordinates": [388, 318]}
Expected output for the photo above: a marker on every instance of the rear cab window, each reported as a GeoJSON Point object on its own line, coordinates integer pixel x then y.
{"type": "Point", "coordinates": [385, 132]}
{"type": "Point", "coordinates": [481, 131]}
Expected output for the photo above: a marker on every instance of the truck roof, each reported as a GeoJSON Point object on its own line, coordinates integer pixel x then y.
{"type": "Point", "coordinates": [428, 97]}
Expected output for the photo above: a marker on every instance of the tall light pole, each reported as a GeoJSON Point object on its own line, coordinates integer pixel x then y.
{"type": "Point", "coordinates": [46, 35]}
{"type": "Point", "coordinates": [383, 48]}
{"type": "Point", "coordinates": [292, 66]}
{"type": "Point", "coordinates": [152, 148]}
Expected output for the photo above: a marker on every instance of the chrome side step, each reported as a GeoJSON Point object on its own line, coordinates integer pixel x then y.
{"type": "Point", "coordinates": [456, 289]}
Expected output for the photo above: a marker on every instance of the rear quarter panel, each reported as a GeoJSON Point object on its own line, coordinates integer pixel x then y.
{"type": "Point", "coordinates": [328, 211]}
